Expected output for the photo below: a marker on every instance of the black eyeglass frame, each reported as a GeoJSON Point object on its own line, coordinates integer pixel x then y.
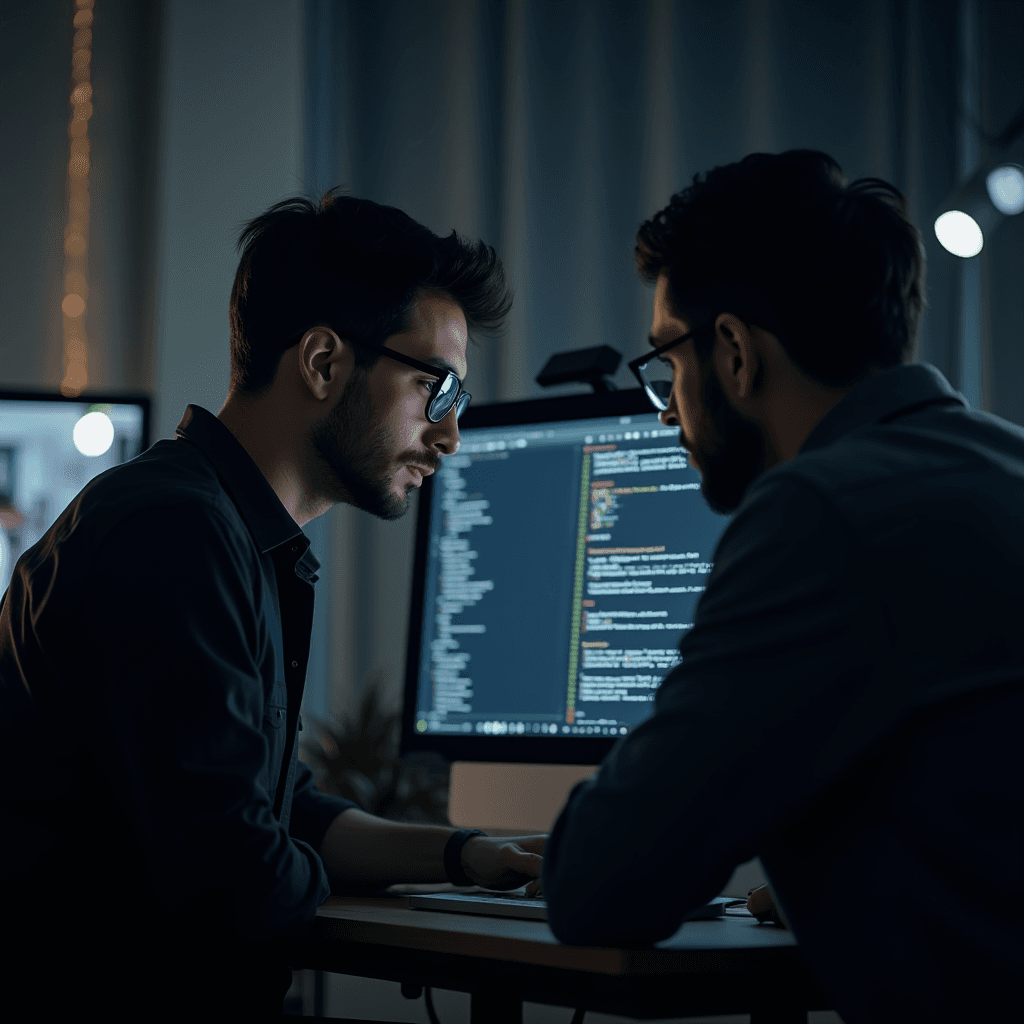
{"type": "Point", "coordinates": [637, 365]}
{"type": "Point", "coordinates": [458, 403]}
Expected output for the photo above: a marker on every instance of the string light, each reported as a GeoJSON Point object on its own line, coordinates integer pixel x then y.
{"type": "Point", "coordinates": [76, 233]}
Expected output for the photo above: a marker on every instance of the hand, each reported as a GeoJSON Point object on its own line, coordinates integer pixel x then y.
{"type": "Point", "coordinates": [500, 862]}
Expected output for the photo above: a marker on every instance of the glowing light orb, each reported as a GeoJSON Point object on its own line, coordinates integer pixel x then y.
{"type": "Point", "coordinates": [959, 233]}
{"type": "Point", "coordinates": [94, 433]}
{"type": "Point", "coordinates": [1005, 187]}
{"type": "Point", "coordinates": [73, 305]}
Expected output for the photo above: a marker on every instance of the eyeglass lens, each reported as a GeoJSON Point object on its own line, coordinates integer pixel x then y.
{"type": "Point", "coordinates": [447, 393]}
{"type": "Point", "coordinates": [657, 378]}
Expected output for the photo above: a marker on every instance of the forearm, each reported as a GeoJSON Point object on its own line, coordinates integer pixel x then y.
{"type": "Point", "coordinates": [361, 851]}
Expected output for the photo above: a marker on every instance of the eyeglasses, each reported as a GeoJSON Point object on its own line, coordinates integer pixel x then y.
{"type": "Point", "coordinates": [655, 374]}
{"type": "Point", "coordinates": [447, 393]}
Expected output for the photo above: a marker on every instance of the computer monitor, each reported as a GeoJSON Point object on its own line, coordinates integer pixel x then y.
{"type": "Point", "coordinates": [559, 558]}
{"type": "Point", "coordinates": [50, 448]}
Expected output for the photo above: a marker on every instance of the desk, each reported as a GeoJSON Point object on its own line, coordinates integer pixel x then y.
{"type": "Point", "coordinates": [730, 965]}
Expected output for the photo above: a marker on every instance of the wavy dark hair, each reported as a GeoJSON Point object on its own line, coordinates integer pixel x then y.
{"type": "Point", "coordinates": [836, 271]}
{"type": "Point", "coordinates": [356, 266]}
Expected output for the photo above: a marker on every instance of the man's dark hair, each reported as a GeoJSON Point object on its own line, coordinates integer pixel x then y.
{"type": "Point", "coordinates": [834, 270]}
{"type": "Point", "coordinates": [356, 266]}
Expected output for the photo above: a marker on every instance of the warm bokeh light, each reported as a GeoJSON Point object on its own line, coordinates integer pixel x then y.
{"type": "Point", "coordinates": [75, 379]}
{"type": "Point", "coordinates": [94, 433]}
{"type": "Point", "coordinates": [74, 282]}
{"type": "Point", "coordinates": [78, 197]}
{"type": "Point", "coordinates": [76, 233]}
{"type": "Point", "coordinates": [73, 305]}
{"type": "Point", "coordinates": [959, 233]}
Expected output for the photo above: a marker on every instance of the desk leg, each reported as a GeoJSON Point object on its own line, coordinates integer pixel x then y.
{"type": "Point", "coordinates": [495, 1008]}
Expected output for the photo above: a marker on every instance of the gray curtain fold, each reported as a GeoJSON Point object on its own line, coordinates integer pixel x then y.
{"type": "Point", "coordinates": [552, 129]}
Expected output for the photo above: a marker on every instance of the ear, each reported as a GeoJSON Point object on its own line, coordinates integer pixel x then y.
{"type": "Point", "coordinates": [325, 362]}
{"type": "Point", "coordinates": [735, 357]}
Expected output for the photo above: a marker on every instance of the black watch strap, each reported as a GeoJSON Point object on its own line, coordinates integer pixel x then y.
{"type": "Point", "coordinates": [453, 855]}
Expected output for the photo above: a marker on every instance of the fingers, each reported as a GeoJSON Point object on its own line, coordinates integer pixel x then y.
{"type": "Point", "coordinates": [532, 844]}
{"type": "Point", "coordinates": [504, 863]}
{"type": "Point", "coordinates": [524, 863]}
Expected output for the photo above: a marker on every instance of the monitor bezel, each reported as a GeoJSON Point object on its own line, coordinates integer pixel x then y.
{"type": "Point", "coordinates": [85, 398]}
{"type": "Point", "coordinates": [583, 750]}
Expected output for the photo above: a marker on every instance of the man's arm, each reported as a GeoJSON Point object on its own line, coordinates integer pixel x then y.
{"type": "Point", "coordinates": [783, 685]}
{"type": "Point", "coordinates": [361, 851]}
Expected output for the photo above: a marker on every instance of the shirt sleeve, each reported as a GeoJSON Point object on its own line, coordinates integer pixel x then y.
{"type": "Point", "coordinates": [312, 809]}
{"type": "Point", "coordinates": [780, 691]}
{"type": "Point", "coordinates": [161, 650]}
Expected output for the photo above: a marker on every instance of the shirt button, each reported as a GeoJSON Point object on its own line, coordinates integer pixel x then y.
{"type": "Point", "coordinates": [295, 664]}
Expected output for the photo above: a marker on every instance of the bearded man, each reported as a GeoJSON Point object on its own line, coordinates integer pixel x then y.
{"type": "Point", "coordinates": [153, 644]}
{"type": "Point", "coordinates": [848, 705]}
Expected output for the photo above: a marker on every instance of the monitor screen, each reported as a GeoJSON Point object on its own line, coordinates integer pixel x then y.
{"type": "Point", "coordinates": [50, 448]}
{"type": "Point", "coordinates": [560, 556]}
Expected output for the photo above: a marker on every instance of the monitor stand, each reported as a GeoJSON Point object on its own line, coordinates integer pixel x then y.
{"type": "Point", "coordinates": [525, 799]}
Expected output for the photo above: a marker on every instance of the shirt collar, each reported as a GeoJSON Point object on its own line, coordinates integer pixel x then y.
{"type": "Point", "coordinates": [267, 519]}
{"type": "Point", "coordinates": [882, 397]}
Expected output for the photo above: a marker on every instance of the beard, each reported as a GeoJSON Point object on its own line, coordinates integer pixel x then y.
{"type": "Point", "coordinates": [730, 450]}
{"type": "Point", "coordinates": [355, 454]}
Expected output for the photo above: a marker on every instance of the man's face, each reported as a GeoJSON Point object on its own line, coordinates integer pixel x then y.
{"type": "Point", "coordinates": [376, 444]}
{"type": "Point", "coordinates": [725, 448]}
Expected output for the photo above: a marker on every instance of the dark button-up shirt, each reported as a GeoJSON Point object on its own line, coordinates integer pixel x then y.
{"type": "Point", "coordinates": [153, 648]}
{"type": "Point", "coordinates": [849, 708]}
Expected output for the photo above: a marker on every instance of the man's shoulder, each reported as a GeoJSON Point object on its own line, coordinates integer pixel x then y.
{"type": "Point", "coordinates": [170, 478]}
{"type": "Point", "coordinates": [933, 449]}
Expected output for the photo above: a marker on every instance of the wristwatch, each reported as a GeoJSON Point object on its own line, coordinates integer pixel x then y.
{"type": "Point", "coordinates": [453, 855]}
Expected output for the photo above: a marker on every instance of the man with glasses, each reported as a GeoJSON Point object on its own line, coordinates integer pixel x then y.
{"type": "Point", "coordinates": [848, 703]}
{"type": "Point", "coordinates": [153, 644]}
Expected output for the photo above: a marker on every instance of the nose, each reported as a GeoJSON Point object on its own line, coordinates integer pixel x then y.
{"type": "Point", "coordinates": [668, 416]}
{"type": "Point", "coordinates": [446, 435]}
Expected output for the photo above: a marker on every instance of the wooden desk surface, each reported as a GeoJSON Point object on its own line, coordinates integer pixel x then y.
{"type": "Point", "coordinates": [727, 965]}
{"type": "Point", "coordinates": [697, 946]}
